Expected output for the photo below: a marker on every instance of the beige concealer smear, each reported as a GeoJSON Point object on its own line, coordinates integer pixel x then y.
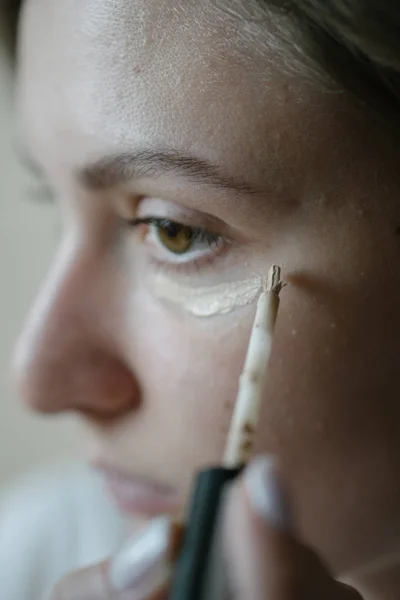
{"type": "Point", "coordinates": [206, 301]}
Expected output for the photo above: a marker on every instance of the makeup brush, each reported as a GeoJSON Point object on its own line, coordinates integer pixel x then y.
{"type": "Point", "coordinates": [198, 574]}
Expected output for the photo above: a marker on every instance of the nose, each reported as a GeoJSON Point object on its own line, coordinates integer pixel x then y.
{"type": "Point", "coordinates": [66, 358]}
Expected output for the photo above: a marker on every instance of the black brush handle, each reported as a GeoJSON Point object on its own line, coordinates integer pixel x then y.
{"type": "Point", "coordinates": [193, 562]}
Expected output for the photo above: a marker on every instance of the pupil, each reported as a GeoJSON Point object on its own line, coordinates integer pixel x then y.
{"type": "Point", "coordinates": [176, 231]}
{"type": "Point", "coordinates": [172, 230]}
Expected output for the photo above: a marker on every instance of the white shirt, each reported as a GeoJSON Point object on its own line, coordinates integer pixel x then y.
{"type": "Point", "coordinates": [53, 523]}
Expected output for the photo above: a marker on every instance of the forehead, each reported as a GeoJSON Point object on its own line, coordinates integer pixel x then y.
{"type": "Point", "coordinates": [102, 75]}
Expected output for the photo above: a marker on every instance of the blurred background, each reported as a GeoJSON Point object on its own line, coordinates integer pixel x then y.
{"type": "Point", "coordinates": [55, 514]}
{"type": "Point", "coordinates": [29, 231]}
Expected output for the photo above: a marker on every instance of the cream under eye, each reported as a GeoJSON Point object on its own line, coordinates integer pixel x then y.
{"type": "Point", "coordinates": [177, 243]}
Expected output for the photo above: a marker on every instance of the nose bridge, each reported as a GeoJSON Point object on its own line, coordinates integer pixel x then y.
{"type": "Point", "coordinates": [47, 334]}
{"type": "Point", "coordinates": [50, 308]}
{"type": "Point", "coordinates": [60, 364]}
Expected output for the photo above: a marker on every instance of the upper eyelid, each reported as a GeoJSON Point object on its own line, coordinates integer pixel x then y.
{"type": "Point", "coordinates": [189, 218]}
{"type": "Point", "coordinates": [227, 236]}
{"type": "Point", "coordinates": [201, 232]}
{"type": "Point", "coordinates": [208, 220]}
{"type": "Point", "coordinates": [165, 220]}
{"type": "Point", "coordinates": [200, 220]}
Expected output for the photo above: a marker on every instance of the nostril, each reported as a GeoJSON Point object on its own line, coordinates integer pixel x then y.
{"type": "Point", "coordinates": [105, 417]}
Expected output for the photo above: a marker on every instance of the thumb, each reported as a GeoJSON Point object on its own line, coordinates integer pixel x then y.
{"type": "Point", "coordinates": [265, 559]}
{"type": "Point", "coordinates": [139, 571]}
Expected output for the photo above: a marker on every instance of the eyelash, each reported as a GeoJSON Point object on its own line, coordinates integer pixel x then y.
{"type": "Point", "coordinates": [40, 192]}
{"type": "Point", "coordinates": [198, 235]}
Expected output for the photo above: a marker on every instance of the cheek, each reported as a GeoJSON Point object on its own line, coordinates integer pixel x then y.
{"type": "Point", "coordinates": [331, 415]}
{"type": "Point", "coordinates": [189, 370]}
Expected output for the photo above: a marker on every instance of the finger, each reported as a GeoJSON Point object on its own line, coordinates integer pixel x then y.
{"type": "Point", "coordinates": [140, 571]}
{"type": "Point", "coordinates": [265, 560]}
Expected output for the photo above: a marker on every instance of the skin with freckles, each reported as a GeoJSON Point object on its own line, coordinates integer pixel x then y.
{"type": "Point", "coordinates": [214, 134]}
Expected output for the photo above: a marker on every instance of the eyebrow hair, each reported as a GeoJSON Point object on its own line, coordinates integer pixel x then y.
{"type": "Point", "coordinates": [121, 168]}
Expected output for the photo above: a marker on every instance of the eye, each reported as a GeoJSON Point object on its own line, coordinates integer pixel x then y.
{"type": "Point", "coordinates": [179, 243]}
{"type": "Point", "coordinates": [176, 238]}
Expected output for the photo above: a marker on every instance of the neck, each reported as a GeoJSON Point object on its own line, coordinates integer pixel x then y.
{"type": "Point", "coordinates": [380, 584]}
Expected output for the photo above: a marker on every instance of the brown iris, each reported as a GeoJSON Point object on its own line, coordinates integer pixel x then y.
{"type": "Point", "coordinates": [175, 237]}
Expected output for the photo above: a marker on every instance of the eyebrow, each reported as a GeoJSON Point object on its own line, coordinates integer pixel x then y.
{"type": "Point", "coordinates": [122, 168]}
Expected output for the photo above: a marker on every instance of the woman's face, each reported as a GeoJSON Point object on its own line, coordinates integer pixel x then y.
{"type": "Point", "coordinates": [178, 112]}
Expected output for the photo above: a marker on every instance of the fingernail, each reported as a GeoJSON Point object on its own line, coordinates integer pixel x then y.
{"type": "Point", "coordinates": [266, 494]}
{"type": "Point", "coordinates": [142, 565]}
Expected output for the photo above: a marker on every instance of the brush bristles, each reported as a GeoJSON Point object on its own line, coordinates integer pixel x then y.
{"type": "Point", "coordinates": [253, 378]}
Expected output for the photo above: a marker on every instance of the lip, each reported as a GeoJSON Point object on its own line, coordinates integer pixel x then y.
{"type": "Point", "coordinates": [138, 496]}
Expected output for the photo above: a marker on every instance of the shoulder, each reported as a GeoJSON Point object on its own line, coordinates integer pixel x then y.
{"type": "Point", "coordinates": [51, 523]}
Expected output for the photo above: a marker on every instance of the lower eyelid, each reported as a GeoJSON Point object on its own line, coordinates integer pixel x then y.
{"type": "Point", "coordinates": [184, 268]}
